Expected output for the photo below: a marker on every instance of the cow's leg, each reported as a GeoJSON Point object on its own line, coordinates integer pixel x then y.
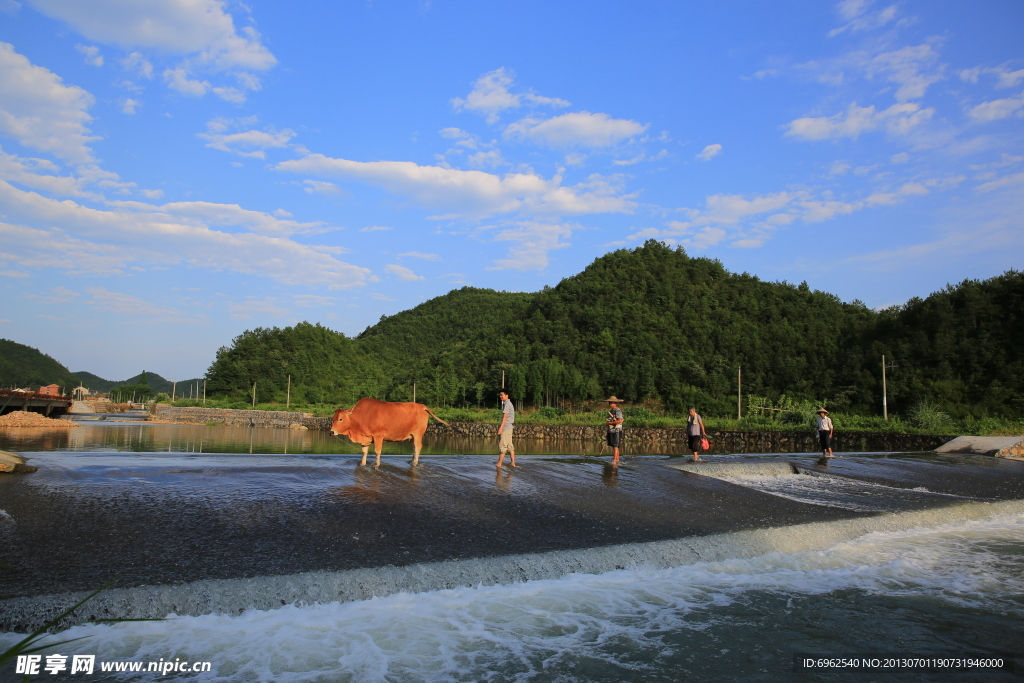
{"type": "Point", "coordinates": [417, 444]}
{"type": "Point", "coordinates": [378, 443]}
{"type": "Point", "coordinates": [366, 450]}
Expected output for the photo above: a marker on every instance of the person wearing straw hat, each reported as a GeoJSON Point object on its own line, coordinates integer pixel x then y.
{"type": "Point", "coordinates": [614, 423]}
{"type": "Point", "coordinates": [825, 433]}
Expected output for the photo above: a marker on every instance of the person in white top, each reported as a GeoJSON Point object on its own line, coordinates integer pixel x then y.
{"type": "Point", "coordinates": [508, 420]}
{"type": "Point", "coordinates": [825, 433]}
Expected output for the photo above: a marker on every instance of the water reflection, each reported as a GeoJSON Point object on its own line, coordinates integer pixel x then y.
{"type": "Point", "coordinates": [503, 479]}
{"type": "Point", "coordinates": [155, 438]}
{"type": "Point", "coordinates": [379, 484]}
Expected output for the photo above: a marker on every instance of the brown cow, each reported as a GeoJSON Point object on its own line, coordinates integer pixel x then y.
{"type": "Point", "coordinates": [375, 421]}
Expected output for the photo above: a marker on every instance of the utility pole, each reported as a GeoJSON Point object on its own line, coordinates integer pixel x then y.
{"type": "Point", "coordinates": [288, 400]}
{"type": "Point", "coordinates": [254, 394]}
{"type": "Point", "coordinates": [885, 405]}
{"type": "Point", "coordinates": [739, 392]}
{"type": "Point", "coordinates": [414, 392]}
{"type": "Point", "coordinates": [204, 392]}
{"type": "Point", "coordinates": [502, 379]}
{"type": "Point", "coordinates": [174, 389]}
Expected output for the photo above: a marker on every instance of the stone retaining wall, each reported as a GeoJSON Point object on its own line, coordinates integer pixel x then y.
{"type": "Point", "coordinates": [721, 441]}
{"type": "Point", "coordinates": [279, 419]}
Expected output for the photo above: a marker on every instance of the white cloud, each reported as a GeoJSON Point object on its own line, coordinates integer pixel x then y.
{"type": "Point", "coordinates": [859, 19]}
{"type": "Point", "coordinates": [489, 159]}
{"type": "Point", "coordinates": [911, 69]}
{"type": "Point", "coordinates": [839, 168]}
{"type": "Point", "coordinates": [128, 106]}
{"type": "Point", "coordinates": [375, 228]}
{"type": "Point", "coordinates": [321, 187]}
{"type": "Point", "coordinates": [402, 273]}
{"type": "Point", "coordinates": [899, 119]}
{"type": "Point", "coordinates": [421, 255]}
{"type": "Point", "coordinates": [1005, 78]}
{"type": "Point", "coordinates": [58, 295]}
{"type": "Point", "coordinates": [490, 96]}
{"type": "Point", "coordinates": [231, 215]}
{"type": "Point", "coordinates": [472, 192]}
{"type": "Point", "coordinates": [723, 208]}
{"type": "Point", "coordinates": [265, 308]}
{"type": "Point", "coordinates": [709, 152]}
{"type": "Point", "coordinates": [40, 112]}
{"type": "Point", "coordinates": [229, 94]}
{"type": "Point", "coordinates": [993, 226]}
{"type": "Point", "coordinates": [179, 79]}
{"type": "Point", "coordinates": [998, 109]}
{"type": "Point", "coordinates": [749, 222]}
{"type": "Point", "coordinates": [136, 308]}
{"type": "Point", "coordinates": [200, 28]}
{"type": "Point", "coordinates": [138, 64]}
{"type": "Point", "coordinates": [246, 143]}
{"type": "Point", "coordinates": [32, 173]}
{"type": "Point", "coordinates": [79, 239]}
{"type": "Point", "coordinates": [91, 53]}
{"type": "Point", "coordinates": [578, 129]}
{"type": "Point", "coordinates": [1006, 181]}
{"type": "Point", "coordinates": [532, 242]}
{"type": "Point", "coordinates": [313, 300]}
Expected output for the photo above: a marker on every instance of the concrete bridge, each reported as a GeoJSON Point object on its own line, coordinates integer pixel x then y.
{"type": "Point", "coordinates": [46, 404]}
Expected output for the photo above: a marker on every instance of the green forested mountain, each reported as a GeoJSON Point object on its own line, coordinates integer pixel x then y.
{"type": "Point", "coordinates": [24, 367]}
{"type": "Point", "coordinates": [653, 323]}
{"type": "Point", "coordinates": [961, 348]}
{"type": "Point", "coordinates": [325, 366]}
{"type": "Point", "coordinates": [155, 382]}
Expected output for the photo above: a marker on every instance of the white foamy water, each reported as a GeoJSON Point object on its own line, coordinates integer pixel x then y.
{"type": "Point", "coordinates": [839, 492]}
{"type": "Point", "coordinates": [629, 623]}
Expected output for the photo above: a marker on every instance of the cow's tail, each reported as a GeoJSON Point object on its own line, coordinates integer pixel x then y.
{"type": "Point", "coordinates": [431, 413]}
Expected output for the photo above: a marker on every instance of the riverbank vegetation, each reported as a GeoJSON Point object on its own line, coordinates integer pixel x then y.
{"type": "Point", "coordinates": [664, 331]}
{"type": "Point", "coordinates": [921, 422]}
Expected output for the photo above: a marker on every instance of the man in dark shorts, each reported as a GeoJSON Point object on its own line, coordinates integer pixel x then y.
{"type": "Point", "coordinates": [825, 433]}
{"type": "Point", "coordinates": [695, 432]}
{"type": "Point", "coordinates": [614, 424]}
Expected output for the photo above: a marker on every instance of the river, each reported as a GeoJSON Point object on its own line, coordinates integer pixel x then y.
{"type": "Point", "coordinates": [916, 562]}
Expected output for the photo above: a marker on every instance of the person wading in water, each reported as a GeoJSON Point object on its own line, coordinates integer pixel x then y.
{"type": "Point", "coordinates": [614, 423]}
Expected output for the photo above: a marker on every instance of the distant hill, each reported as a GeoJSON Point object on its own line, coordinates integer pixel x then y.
{"type": "Point", "coordinates": [24, 367]}
{"type": "Point", "coordinates": [653, 323]}
{"type": "Point", "coordinates": [96, 383]}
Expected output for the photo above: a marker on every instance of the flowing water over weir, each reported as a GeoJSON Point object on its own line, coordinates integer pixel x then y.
{"type": "Point", "coordinates": [306, 567]}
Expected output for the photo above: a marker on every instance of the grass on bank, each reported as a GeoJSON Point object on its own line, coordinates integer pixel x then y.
{"type": "Point", "coordinates": [924, 419]}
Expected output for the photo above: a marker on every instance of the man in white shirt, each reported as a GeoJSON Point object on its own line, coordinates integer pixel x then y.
{"type": "Point", "coordinates": [825, 433]}
{"type": "Point", "coordinates": [508, 419]}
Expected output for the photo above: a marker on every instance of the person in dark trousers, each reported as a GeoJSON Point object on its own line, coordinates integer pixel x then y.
{"type": "Point", "coordinates": [825, 433]}
{"type": "Point", "coordinates": [695, 432]}
{"type": "Point", "coordinates": [614, 423]}
{"type": "Point", "coordinates": [508, 419]}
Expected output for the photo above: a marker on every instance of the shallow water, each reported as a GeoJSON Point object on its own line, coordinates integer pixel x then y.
{"type": "Point", "coordinates": [144, 437]}
{"type": "Point", "coordinates": [951, 585]}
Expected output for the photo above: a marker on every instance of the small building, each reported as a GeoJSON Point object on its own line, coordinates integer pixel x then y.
{"type": "Point", "coordinates": [51, 390]}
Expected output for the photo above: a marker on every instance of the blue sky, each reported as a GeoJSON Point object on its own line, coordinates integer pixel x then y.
{"type": "Point", "coordinates": [173, 172]}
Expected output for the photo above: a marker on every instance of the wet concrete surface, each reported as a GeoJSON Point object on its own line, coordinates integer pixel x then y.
{"type": "Point", "coordinates": [151, 518]}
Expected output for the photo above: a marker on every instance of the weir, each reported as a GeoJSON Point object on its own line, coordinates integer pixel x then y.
{"type": "Point", "coordinates": [190, 532]}
{"type": "Point", "coordinates": [233, 596]}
